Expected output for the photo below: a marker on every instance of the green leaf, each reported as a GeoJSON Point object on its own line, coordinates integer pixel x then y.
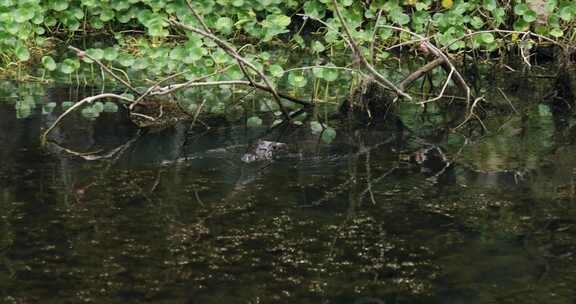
{"type": "Point", "coordinates": [110, 54]}
{"type": "Point", "coordinates": [21, 51]}
{"type": "Point", "coordinates": [544, 111]}
{"type": "Point", "coordinates": [141, 64]}
{"type": "Point", "coordinates": [297, 80]}
{"type": "Point", "coordinates": [49, 63]}
{"type": "Point", "coordinates": [530, 16]}
{"type": "Point", "coordinates": [489, 5]}
{"type": "Point", "coordinates": [330, 74]}
{"type": "Point", "coordinates": [556, 32]}
{"type": "Point", "coordinates": [48, 108]}
{"type": "Point", "coordinates": [194, 54]}
{"type": "Point", "coordinates": [24, 13]}
{"type": "Point", "coordinates": [126, 60]}
{"type": "Point", "coordinates": [276, 70]}
{"type": "Point", "coordinates": [318, 47]}
{"type": "Point", "coordinates": [110, 107]}
{"type": "Point", "coordinates": [89, 113]}
{"type": "Point", "coordinates": [477, 22]}
{"type": "Point", "coordinates": [68, 66]}
{"type": "Point", "coordinates": [254, 122]}
{"type": "Point", "coordinates": [59, 5]}
{"type": "Point", "coordinates": [107, 15]}
{"type": "Point", "coordinates": [224, 25]}
{"type": "Point", "coordinates": [97, 54]}
{"type": "Point", "coordinates": [521, 8]}
{"type": "Point", "coordinates": [316, 127]}
{"type": "Point", "coordinates": [96, 23]}
{"type": "Point", "coordinates": [98, 107]}
{"type": "Point", "coordinates": [487, 38]}
{"type": "Point", "coordinates": [328, 135]}
{"type": "Point", "coordinates": [566, 13]}
{"type": "Point", "coordinates": [314, 9]}
{"type": "Point", "coordinates": [299, 40]}
{"type": "Point", "coordinates": [521, 25]}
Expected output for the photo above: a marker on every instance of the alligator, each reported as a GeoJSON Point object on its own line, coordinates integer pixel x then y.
{"type": "Point", "coordinates": [264, 150]}
{"type": "Point", "coordinates": [261, 151]}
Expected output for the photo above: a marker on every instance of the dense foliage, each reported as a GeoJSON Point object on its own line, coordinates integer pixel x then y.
{"type": "Point", "coordinates": [140, 39]}
{"type": "Point", "coordinates": [26, 24]}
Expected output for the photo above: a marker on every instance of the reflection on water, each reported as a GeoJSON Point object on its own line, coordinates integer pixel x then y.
{"type": "Point", "coordinates": [377, 216]}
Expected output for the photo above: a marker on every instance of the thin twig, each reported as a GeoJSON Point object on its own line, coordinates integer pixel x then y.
{"type": "Point", "coordinates": [401, 44]}
{"type": "Point", "coordinates": [197, 113]}
{"type": "Point", "coordinates": [374, 34]}
{"type": "Point", "coordinates": [179, 86]}
{"type": "Point", "coordinates": [527, 33]}
{"type": "Point", "coordinates": [441, 92]}
{"type": "Point", "coordinates": [324, 67]}
{"type": "Point", "coordinates": [471, 113]}
{"type": "Point", "coordinates": [198, 17]}
{"type": "Point", "coordinates": [167, 90]}
{"type": "Point", "coordinates": [150, 118]}
{"type": "Point", "coordinates": [508, 100]}
{"type": "Point", "coordinates": [81, 54]}
{"type": "Point", "coordinates": [369, 178]}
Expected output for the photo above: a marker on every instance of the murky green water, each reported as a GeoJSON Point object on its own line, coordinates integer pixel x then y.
{"type": "Point", "coordinates": [377, 216]}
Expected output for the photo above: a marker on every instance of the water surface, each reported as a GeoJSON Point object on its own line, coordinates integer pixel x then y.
{"type": "Point", "coordinates": [380, 215]}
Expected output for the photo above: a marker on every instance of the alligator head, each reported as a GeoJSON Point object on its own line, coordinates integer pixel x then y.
{"type": "Point", "coordinates": [264, 150]}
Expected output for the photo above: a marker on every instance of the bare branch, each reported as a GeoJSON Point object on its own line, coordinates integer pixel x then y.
{"type": "Point", "coordinates": [198, 17]}
{"type": "Point", "coordinates": [418, 73]}
{"type": "Point", "coordinates": [230, 50]}
{"type": "Point", "coordinates": [362, 58]}
{"type": "Point", "coordinates": [438, 53]}
{"type": "Point", "coordinates": [171, 88]}
{"type": "Point", "coordinates": [86, 100]}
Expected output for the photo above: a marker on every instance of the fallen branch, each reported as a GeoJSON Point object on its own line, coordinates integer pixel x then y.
{"type": "Point", "coordinates": [439, 54]}
{"type": "Point", "coordinates": [527, 34]}
{"type": "Point", "coordinates": [86, 100]}
{"type": "Point", "coordinates": [419, 73]}
{"type": "Point", "coordinates": [230, 50]}
{"type": "Point", "coordinates": [81, 54]}
{"type": "Point", "coordinates": [356, 49]}
{"type": "Point", "coordinates": [171, 88]}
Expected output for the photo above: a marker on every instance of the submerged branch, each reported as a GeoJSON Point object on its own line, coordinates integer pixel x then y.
{"type": "Point", "coordinates": [442, 91]}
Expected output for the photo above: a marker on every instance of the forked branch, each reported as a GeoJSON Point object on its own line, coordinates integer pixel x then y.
{"type": "Point", "coordinates": [358, 53]}
{"type": "Point", "coordinates": [230, 50]}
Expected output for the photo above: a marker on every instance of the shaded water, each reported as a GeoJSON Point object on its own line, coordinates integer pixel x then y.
{"type": "Point", "coordinates": [377, 216]}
